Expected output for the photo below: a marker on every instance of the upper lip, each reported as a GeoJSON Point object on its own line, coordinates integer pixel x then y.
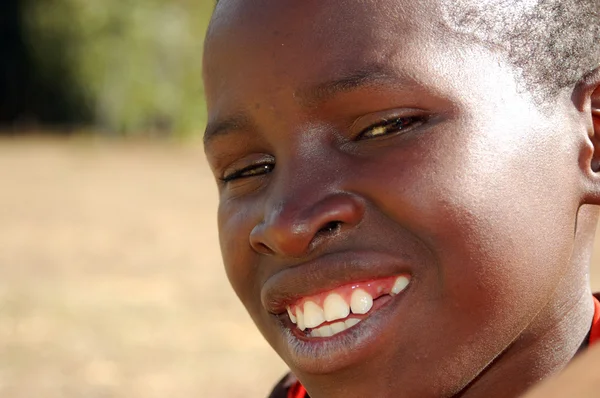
{"type": "Point", "coordinates": [326, 273]}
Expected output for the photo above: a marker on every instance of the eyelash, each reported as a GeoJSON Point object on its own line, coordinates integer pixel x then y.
{"type": "Point", "coordinates": [396, 125]}
{"type": "Point", "coordinates": [250, 171]}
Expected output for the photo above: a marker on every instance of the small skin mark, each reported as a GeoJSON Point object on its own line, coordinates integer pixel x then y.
{"type": "Point", "coordinates": [257, 106]}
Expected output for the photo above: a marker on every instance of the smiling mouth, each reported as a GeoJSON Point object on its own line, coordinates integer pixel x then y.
{"type": "Point", "coordinates": [332, 312]}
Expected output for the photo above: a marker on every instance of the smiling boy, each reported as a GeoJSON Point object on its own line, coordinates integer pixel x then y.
{"type": "Point", "coordinates": [405, 187]}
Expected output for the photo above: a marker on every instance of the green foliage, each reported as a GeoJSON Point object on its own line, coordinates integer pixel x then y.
{"type": "Point", "coordinates": [138, 63]}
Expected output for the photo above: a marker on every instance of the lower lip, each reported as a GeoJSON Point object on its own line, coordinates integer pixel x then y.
{"type": "Point", "coordinates": [320, 355]}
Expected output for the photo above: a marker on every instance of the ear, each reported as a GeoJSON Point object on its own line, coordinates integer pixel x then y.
{"type": "Point", "coordinates": [587, 101]}
{"type": "Point", "coordinates": [595, 109]}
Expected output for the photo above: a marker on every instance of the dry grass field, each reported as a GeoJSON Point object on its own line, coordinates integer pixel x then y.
{"type": "Point", "coordinates": [110, 277]}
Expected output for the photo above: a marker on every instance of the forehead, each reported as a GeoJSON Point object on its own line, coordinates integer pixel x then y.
{"type": "Point", "coordinates": [305, 39]}
{"type": "Point", "coordinates": [314, 22]}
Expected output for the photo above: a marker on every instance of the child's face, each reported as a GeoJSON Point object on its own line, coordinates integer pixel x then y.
{"type": "Point", "coordinates": [374, 144]}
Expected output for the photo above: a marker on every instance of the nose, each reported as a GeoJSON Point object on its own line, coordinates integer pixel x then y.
{"type": "Point", "coordinates": [293, 229]}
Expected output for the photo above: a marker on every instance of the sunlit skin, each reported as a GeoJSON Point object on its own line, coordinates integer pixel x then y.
{"type": "Point", "coordinates": [354, 140]}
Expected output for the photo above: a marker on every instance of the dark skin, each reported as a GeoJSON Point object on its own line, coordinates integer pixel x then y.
{"type": "Point", "coordinates": [355, 140]}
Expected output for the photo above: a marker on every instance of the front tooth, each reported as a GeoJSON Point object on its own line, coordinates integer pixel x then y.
{"type": "Point", "coordinates": [313, 315]}
{"type": "Point", "coordinates": [300, 319]}
{"type": "Point", "coordinates": [292, 317]}
{"type": "Point", "coordinates": [338, 327]}
{"type": "Point", "coordinates": [315, 333]}
{"type": "Point", "coordinates": [335, 307]}
{"type": "Point", "coordinates": [399, 285]}
{"type": "Point", "coordinates": [361, 302]}
{"type": "Point", "coordinates": [351, 322]}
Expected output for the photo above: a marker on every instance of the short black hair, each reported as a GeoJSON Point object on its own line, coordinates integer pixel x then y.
{"type": "Point", "coordinates": [554, 43]}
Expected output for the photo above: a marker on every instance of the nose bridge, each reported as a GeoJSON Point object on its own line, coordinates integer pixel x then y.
{"type": "Point", "coordinates": [303, 203]}
{"type": "Point", "coordinates": [301, 185]}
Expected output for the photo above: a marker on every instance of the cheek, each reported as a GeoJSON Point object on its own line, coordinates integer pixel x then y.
{"type": "Point", "coordinates": [242, 264]}
{"type": "Point", "coordinates": [495, 212]}
{"type": "Point", "coordinates": [234, 231]}
{"type": "Point", "coordinates": [504, 242]}
{"type": "Point", "coordinates": [511, 208]}
{"type": "Point", "coordinates": [501, 249]}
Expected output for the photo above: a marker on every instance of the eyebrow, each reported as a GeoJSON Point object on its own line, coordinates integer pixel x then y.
{"type": "Point", "coordinates": [370, 75]}
{"type": "Point", "coordinates": [312, 96]}
{"type": "Point", "coordinates": [222, 127]}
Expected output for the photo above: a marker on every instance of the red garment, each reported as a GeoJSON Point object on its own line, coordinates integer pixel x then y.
{"type": "Point", "coordinates": [298, 391]}
{"type": "Point", "coordinates": [595, 331]}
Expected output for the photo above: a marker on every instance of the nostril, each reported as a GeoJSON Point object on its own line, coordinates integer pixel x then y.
{"type": "Point", "coordinates": [262, 248]}
{"type": "Point", "coordinates": [331, 227]}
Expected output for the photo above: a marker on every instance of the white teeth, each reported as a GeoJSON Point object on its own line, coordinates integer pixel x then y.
{"type": "Point", "coordinates": [400, 284]}
{"type": "Point", "coordinates": [310, 315]}
{"type": "Point", "coordinates": [335, 307]}
{"type": "Point", "coordinates": [326, 331]}
{"type": "Point", "coordinates": [338, 327]}
{"type": "Point", "coordinates": [360, 302]}
{"type": "Point", "coordinates": [313, 315]}
{"type": "Point", "coordinates": [334, 328]}
{"type": "Point", "coordinates": [300, 319]}
{"type": "Point", "coordinates": [292, 317]}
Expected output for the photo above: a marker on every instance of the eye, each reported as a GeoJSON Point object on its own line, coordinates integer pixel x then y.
{"type": "Point", "coordinates": [253, 170]}
{"type": "Point", "coordinates": [390, 126]}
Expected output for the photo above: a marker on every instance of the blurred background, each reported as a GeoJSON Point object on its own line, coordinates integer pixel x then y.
{"type": "Point", "coordinates": [120, 67]}
{"type": "Point", "coordinates": [111, 283]}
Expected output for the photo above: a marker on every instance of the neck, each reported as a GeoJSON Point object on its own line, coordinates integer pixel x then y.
{"type": "Point", "coordinates": [555, 336]}
{"type": "Point", "coordinates": [538, 353]}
